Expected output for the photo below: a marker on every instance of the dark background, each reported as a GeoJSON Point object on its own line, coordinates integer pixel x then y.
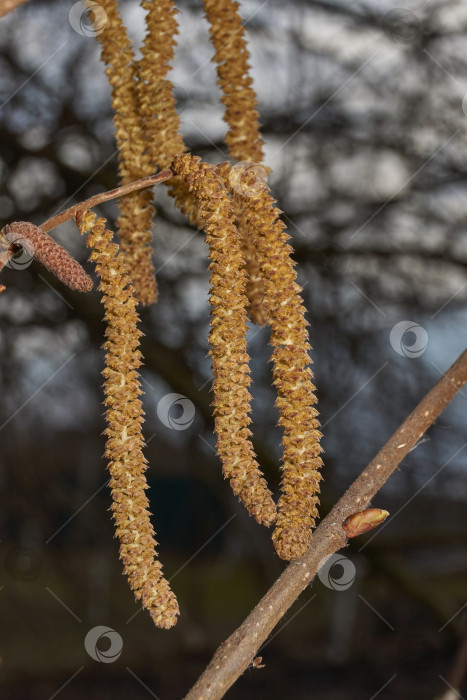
{"type": "Point", "coordinates": [364, 119]}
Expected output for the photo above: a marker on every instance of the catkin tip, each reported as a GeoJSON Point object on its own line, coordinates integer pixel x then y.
{"type": "Point", "coordinates": [291, 543]}
{"type": "Point", "coordinates": [124, 417]}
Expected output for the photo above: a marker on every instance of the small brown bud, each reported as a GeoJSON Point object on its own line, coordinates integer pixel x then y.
{"type": "Point", "coordinates": [365, 520]}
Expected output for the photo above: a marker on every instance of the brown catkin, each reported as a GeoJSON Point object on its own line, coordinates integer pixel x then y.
{"type": "Point", "coordinates": [238, 96]}
{"type": "Point", "coordinates": [244, 177]}
{"type": "Point", "coordinates": [243, 136]}
{"type": "Point", "coordinates": [124, 417]}
{"type": "Point", "coordinates": [292, 374]}
{"type": "Point", "coordinates": [158, 106]}
{"type": "Point", "coordinates": [228, 338]}
{"type": "Point", "coordinates": [38, 244]}
{"type": "Point", "coordinates": [156, 98]}
{"type": "Point", "coordinates": [135, 221]}
{"type": "Point", "coordinates": [157, 101]}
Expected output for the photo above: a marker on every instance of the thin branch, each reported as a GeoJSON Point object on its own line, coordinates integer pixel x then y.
{"type": "Point", "coordinates": [105, 197]}
{"type": "Point", "coordinates": [239, 650]}
{"type": "Point", "coordinates": [22, 234]}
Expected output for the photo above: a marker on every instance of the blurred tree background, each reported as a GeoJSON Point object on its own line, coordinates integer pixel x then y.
{"type": "Point", "coordinates": [363, 108]}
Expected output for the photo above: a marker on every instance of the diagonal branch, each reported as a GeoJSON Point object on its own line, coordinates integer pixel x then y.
{"type": "Point", "coordinates": [238, 651]}
{"type": "Point", "coordinates": [70, 213]}
{"type": "Point", "coordinates": [37, 242]}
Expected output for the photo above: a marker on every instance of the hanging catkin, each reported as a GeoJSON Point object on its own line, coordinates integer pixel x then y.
{"type": "Point", "coordinates": [238, 96]}
{"type": "Point", "coordinates": [228, 338]}
{"type": "Point", "coordinates": [124, 417]}
{"type": "Point", "coordinates": [291, 373]}
{"type": "Point", "coordinates": [243, 136]}
{"type": "Point", "coordinates": [136, 212]}
{"type": "Point", "coordinates": [157, 101]}
{"type": "Point", "coordinates": [156, 98]}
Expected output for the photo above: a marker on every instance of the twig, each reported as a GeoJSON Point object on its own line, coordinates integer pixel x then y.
{"type": "Point", "coordinates": [105, 197]}
{"type": "Point", "coordinates": [239, 650]}
{"type": "Point", "coordinates": [22, 234]}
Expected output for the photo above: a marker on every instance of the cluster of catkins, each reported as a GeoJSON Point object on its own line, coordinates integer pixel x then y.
{"type": "Point", "coordinates": [252, 274]}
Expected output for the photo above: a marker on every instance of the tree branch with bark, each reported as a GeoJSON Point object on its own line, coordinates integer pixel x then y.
{"type": "Point", "coordinates": [235, 655]}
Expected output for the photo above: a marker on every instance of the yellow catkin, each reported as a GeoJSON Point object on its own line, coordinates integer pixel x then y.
{"type": "Point", "coordinates": [135, 221]}
{"type": "Point", "coordinates": [228, 337]}
{"type": "Point", "coordinates": [239, 176]}
{"type": "Point", "coordinates": [157, 101]}
{"type": "Point", "coordinates": [238, 96]}
{"type": "Point", "coordinates": [124, 417]}
{"type": "Point", "coordinates": [156, 98]}
{"type": "Point", "coordinates": [243, 136]}
{"type": "Point", "coordinates": [292, 375]}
